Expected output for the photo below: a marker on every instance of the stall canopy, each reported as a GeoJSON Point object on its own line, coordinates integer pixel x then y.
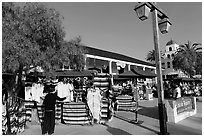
{"type": "Point", "coordinates": [74, 73]}
{"type": "Point", "coordinates": [198, 79]}
{"type": "Point", "coordinates": [117, 78]}
{"type": "Point", "coordinates": [183, 79]}
{"type": "Point", "coordinates": [7, 74]}
{"type": "Point", "coordinates": [96, 69]}
{"type": "Point", "coordinates": [143, 74]}
{"type": "Point", "coordinates": [128, 74]}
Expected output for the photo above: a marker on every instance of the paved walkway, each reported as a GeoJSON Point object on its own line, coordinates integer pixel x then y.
{"type": "Point", "coordinates": [122, 124]}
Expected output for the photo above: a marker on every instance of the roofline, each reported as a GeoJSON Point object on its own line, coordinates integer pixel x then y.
{"type": "Point", "coordinates": [116, 57]}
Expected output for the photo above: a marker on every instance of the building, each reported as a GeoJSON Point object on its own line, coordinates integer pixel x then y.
{"type": "Point", "coordinates": [170, 51]}
{"type": "Point", "coordinates": [113, 63]}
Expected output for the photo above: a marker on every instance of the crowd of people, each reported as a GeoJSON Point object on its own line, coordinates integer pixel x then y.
{"type": "Point", "coordinates": [126, 88]}
{"type": "Point", "coordinates": [172, 89]}
{"type": "Point", "coordinates": [175, 89]}
{"type": "Point", "coordinates": [65, 89]}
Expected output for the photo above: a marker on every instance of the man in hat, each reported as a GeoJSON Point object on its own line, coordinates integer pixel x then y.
{"type": "Point", "coordinates": [49, 102]}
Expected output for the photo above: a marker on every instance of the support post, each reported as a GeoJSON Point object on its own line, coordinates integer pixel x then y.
{"type": "Point", "coordinates": [161, 105]}
{"type": "Point", "coordinates": [110, 71]}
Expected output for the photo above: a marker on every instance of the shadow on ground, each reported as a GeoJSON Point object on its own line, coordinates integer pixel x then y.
{"type": "Point", "coordinates": [137, 123]}
{"type": "Point", "coordinates": [149, 112]}
{"type": "Point", "coordinates": [116, 131]}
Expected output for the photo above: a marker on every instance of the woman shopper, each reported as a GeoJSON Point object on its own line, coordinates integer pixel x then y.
{"type": "Point", "coordinates": [49, 102]}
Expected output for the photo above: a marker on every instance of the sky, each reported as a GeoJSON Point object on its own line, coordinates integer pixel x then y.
{"type": "Point", "coordinates": [115, 27]}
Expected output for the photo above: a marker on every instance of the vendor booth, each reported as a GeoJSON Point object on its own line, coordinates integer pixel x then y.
{"type": "Point", "coordinates": [84, 107]}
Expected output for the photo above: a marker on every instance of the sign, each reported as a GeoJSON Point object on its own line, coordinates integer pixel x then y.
{"type": "Point", "coordinates": [184, 104]}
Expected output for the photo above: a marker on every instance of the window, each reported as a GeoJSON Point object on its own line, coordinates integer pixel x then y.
{"type": "Point", "coordinates": [168, 56]}
{"type": "Point", "coordinates": [163, 65]}
{"type": "Point", "coordinates": [172, 55]}
{"type": "Point", "coordinates": [168, 65]}
{"type": "Point", "coordinates": [170, 48]}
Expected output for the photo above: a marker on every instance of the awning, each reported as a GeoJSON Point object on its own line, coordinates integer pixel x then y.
{"type": "Point", "coordinates": [74, 73]}
{"type": "Point", "coordinates": [7, 74]}
{"type": "Point", "coordinates": [144, 74]}
{"type": "Point", "coordinates": [197, 76]}
{"type": "Point", "coordinates": [36, 74]}
{"type": "Point", "coordinates": [96, 69]}
{"type": "Point", "coordinates": [129, 74]}
{"type": "Point", "coordinates": [117, 78]}
{"type": "Point", "coordinates": [198, 79]}
{"type": "Point", "coordinates": [183, 79]}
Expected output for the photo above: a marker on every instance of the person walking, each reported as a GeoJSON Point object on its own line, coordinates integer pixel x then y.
{"type": "Point", "coordinates": [49, 102]}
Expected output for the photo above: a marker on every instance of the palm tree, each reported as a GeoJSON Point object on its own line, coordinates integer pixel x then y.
{"type": "Point", "coordinates": [151, 56]}
{"type": "Point", "coordinates": [186, 58]}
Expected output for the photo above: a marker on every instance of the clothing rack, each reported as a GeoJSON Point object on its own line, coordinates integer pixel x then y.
{"type": "Point", "coordinates": [16, 115]}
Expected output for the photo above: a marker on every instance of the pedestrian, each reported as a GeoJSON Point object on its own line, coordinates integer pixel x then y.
{"type": "Point", "coordinates": [49, 102]}
{"type": "Point", "coordinates": [141, 93]}
{"type": "Point", "coordinates": [177, 92]}
{"type": "Point", "coordinates": [197, 92]}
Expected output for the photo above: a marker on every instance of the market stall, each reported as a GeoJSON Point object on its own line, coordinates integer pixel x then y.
{"type": "Point", "coordinates": [145, 89]}
{"type": "Point", "coordinates": [128, 99]}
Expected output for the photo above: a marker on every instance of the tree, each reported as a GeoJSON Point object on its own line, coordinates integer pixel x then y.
{"type": "Point", "coordinates": [73, 53]}
{"type": "Point", "coordinates": [32, 34]}
{"type": "Point", "coordinates": [187, 58]}
{"type": "Point", "coordinates": [198, 68]}
{"type": "Point", "coordinates": [151, 55]}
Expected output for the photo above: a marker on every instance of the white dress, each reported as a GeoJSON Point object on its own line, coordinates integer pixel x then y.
{"type": "Point", "coordinates": [94, 102]}
{"type": "Point", "coordinates": [59, 89]}
{"type": "Point", "coordinates": [71, 88]}
{"type": "Point", "coordinates": [28, 94]}
{"type": "Point", "coordinates": [178, 91]}
{"type": "Point", "coordinates": [63, 91]}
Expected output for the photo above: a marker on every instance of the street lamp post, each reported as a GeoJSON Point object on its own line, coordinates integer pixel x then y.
{"type": "Point", "coordinates": [142, 10]}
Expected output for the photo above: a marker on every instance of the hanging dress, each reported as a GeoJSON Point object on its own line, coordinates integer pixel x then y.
{"type": "Point", "coordinates": [94, 102]}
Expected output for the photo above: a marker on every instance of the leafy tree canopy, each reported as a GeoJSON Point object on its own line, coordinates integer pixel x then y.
{"type": "Point", "coordinates": [151, 55]}
{"type": "Point", "coordinates": [189, 59]}
{"type": "Point", "coordinates": [33, 35]}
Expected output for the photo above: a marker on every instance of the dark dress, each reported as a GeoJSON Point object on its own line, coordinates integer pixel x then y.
{"type": "Point", "coordinates": [48, 124]}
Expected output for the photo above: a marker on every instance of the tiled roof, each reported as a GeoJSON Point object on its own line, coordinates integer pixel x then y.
{"type": "Point", "coordinates": [108, 54]}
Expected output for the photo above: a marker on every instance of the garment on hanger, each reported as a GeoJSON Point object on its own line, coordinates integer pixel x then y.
{"type": "Point", "coordinates": [94, 102]}
{"type": "Point", "coordinates": [21, 114]}
{"type": "Point", "coordinates": [59, 89]}
{"type": "Point", "coordinates": [28, 94]}
{"type": "Point", "coordinates": [63, 91]}
{"type": "Point", "coordinates": [70, 90]}
{"type": "Point", "coordinates": [17, 114]}
{"type": "Point", "coordinates": [4, 120]}
{"type": "Point", "coordinates": [67, 92]}
{"type": "Point", "coordinates": [28, 105]}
